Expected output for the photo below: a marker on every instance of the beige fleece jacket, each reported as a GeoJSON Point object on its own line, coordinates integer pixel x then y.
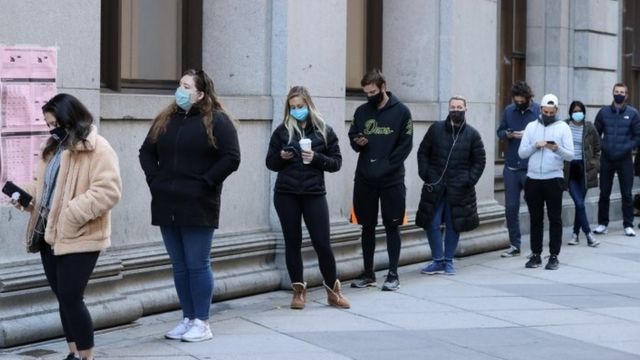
{"type": "Point", "coordinates": [87, 188]}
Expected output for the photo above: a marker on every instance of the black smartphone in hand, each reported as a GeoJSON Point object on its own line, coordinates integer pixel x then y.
{"type": "Point", "coordinates": [10, 188]}
{"type": "Point", "coordinates": [551, 142]}
{"type": "Point", "coordinates": [289, 148]}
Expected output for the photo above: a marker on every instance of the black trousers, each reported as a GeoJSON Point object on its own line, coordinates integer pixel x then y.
{"type": "Point", "coordinates": [624, 169]}
{"type": "Point", "coordinates": [68, 276]}
{"type": "Point", "coordinates": [539, 193]}
{"type": "Point", "coordinates": [291, 210]}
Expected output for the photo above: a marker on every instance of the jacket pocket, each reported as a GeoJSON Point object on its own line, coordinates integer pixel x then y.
{"type": "Point", "coordinates": [69, 229]}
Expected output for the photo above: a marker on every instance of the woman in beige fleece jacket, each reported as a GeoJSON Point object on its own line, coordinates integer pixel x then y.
{"type": "Point", "coordinates": [77, 182]}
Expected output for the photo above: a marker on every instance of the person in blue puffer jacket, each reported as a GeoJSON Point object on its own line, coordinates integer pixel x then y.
{"type": "Point", "coordinates": [618, 125]}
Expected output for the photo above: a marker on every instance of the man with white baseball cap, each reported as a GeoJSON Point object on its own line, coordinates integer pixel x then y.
{"type": "Point", "coordinates": [547, 143]}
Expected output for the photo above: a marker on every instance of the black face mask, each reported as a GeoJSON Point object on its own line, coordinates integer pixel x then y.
{"type": "Point", "coordinates": [522, 106]}
{"type": "Point", "coordinates": [457, 117]}
{"type": "Point", "coordinates": [376, 99]}
{"type": "Point", "coordinates": [548, 120]}
{"type": "Point", "coordinates": [619, 99]}
{"type": "Point", "coordinates": [58, 134]}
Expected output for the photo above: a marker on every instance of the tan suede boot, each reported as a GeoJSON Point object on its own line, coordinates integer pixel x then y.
{"type": "Point", "coordinates": [299, 295]}
{"type": "Point", "coordinates": [335, 297]}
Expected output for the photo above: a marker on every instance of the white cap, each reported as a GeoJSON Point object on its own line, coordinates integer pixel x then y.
{"type": "Point", "coordinates": [549, 100]}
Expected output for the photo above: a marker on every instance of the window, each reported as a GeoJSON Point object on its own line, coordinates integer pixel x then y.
{"type": "Point", "coordinates": [631, 50]}
{"type": "Point", "coordinates": [364, 40]}
{"type": "Point", "coordinates": [147, 44]}
{"type": "Point", "coordinates": [513, 49]}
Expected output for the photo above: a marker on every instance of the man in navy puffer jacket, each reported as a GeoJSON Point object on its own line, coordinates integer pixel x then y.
{"type": "Point", "coordinates": [619, 127]}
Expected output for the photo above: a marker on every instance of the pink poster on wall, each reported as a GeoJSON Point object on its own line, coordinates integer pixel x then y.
{"type": "Point", "coordinates": [27, 82]}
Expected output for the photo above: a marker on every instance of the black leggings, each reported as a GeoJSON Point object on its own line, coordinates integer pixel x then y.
{"type": "Point", "coordinates": [68, 276]}
{"type": "Point", "coordinates": [369, 246]}
{"type": "Point", "coordinates": [313, 208]}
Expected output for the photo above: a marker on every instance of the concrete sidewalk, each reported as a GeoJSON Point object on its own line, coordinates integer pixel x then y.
{"type": "Point", "coordinates": [493, 308]}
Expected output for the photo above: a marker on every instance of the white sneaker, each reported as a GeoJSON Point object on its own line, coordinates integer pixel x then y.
{"type": "Point", "coordinates": [199, 331]}
{"type": "Point", "coordinates": [629, 231]}
{"type": "Point", "coordinates": [601, 229]}
{"type": "Point", "coordinates": [180, 329]}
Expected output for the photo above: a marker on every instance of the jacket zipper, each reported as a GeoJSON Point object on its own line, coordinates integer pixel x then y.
{"type": "Point", "coordinates": [175, 163]}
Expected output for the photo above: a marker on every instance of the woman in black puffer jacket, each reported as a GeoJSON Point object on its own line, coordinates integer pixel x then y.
{"type": "Point", "coordinates": [300, 191]}
{"type": "Point", "coordinates": [451, 159]}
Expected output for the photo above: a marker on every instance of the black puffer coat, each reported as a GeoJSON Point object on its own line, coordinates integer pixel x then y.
{"type": "Point", "coordinates": [461, 173]}
{"type": "Point", "coordinates": [294, 177]}
{"type": "Point", "coordinates": [185, 173]}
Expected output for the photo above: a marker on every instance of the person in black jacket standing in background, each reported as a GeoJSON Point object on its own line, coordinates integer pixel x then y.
{"type": "Point", "coordinates": [619, 127]}
{"type": "Point", "coordinates": [190, 150]}
{"type": "Point", "coordinates": [382, 134]}
{"type": "Point", "coordinates": [451, 159]}
{"type": "Point", "coordinates": [300, 192]}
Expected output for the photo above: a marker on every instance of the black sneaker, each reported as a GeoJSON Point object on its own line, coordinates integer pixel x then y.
{"type": "Point", "coordinates": [391, 283]}
{"type": "Point", "coordinates": [71, 356]}
{"type": "Point", "coordinates": [365, 279]}
{"type": "Point", "coordinates": [534, 261]}
{"type": "Point", "coordinates": [553, 263]}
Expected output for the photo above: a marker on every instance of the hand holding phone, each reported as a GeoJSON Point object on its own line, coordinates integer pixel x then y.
{"type": "Point", "coordinates": [11, 189]}
{"type": "Point", "coordinates": [551, 142]}
{"type": "Point", "coordinates": [360, 139]}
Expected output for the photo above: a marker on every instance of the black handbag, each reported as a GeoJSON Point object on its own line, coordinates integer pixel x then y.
{"type": "Point", "coordinates": [37, 236]}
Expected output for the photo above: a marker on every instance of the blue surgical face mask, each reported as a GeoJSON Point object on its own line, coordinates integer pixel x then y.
{"type": "Point", "coordinates": [577, 116]}
{"type": "Point", "coordinates": [299, 114]}
{"type": "Point", "coordinates": [183, 98]}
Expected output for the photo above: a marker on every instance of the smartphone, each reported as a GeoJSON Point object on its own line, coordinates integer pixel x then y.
{"type": "Point", "coordinates": [289, 148]}
{"type": "Point", "coordinates": [551, 142]}
{"type": "Point", "coordinates": [10, 188]}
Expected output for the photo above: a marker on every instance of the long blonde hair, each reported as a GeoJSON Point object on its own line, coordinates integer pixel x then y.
{"type": "Point", "coordinates": [315, 118]}
{"type": "Point", "coordinates": [209, 105]}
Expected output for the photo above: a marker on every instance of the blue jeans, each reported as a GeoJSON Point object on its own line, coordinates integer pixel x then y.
{"type": "Point", "coordinates": [513, 186]}
{"type": "Point", "coordinates": [451, 237]}
{"type": "Point", "coordinates": [189, 248]}
{"type": "Point", "coordinates": [608, 168]}
{"type": "Point", "coordinates": [578, 192]}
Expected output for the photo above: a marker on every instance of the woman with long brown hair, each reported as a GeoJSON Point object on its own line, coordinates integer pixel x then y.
{"type": "Point", "coordinates": [77, 183]}
{"type": "Point", "coordinates": [190, 150]}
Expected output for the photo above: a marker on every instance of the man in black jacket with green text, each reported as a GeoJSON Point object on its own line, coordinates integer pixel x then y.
{"type": "Point", "coordinates": [382, 134]}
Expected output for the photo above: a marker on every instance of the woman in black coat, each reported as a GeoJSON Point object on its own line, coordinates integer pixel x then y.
{"type": "Point", "coordinates": [451, 159]}
{"type": "Point", "coordinates": [300, 192]}
{"type": "Point", "coordinates": [582, 172]}
{"type": "Point", "coordinates": [190, 150]}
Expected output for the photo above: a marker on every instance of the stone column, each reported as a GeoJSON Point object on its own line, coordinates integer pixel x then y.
{"type": "Point", "coordinates": [308, 47]}
{"type": "Point", "coordinates": [452, 54]}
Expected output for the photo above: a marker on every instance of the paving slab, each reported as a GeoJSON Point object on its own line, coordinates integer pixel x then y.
{"type": "Point", "coordinates": [492, 309]}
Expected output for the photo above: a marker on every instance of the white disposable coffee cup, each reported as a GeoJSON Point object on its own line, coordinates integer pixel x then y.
{"type": "Point", "coordinates": [305, 144]}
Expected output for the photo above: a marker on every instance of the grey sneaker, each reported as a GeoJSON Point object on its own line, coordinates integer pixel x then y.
{"type": "Point", "coordinates": [365, 279]}
{"type": "Point", "coordinates": [511, 252]}
{"type": "Point", "coordinates": [391, 283]}
{"type": "Point", "coordinates": [575, 240]}
{"type": "Point", "coordinates": [592, 241]}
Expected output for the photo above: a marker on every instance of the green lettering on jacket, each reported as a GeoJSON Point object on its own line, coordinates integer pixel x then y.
{"type": "Point", "coordinates": [371, 128]}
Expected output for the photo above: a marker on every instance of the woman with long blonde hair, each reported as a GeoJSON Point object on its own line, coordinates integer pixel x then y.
{"type": "Point", "coordinates": [300, 191]}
